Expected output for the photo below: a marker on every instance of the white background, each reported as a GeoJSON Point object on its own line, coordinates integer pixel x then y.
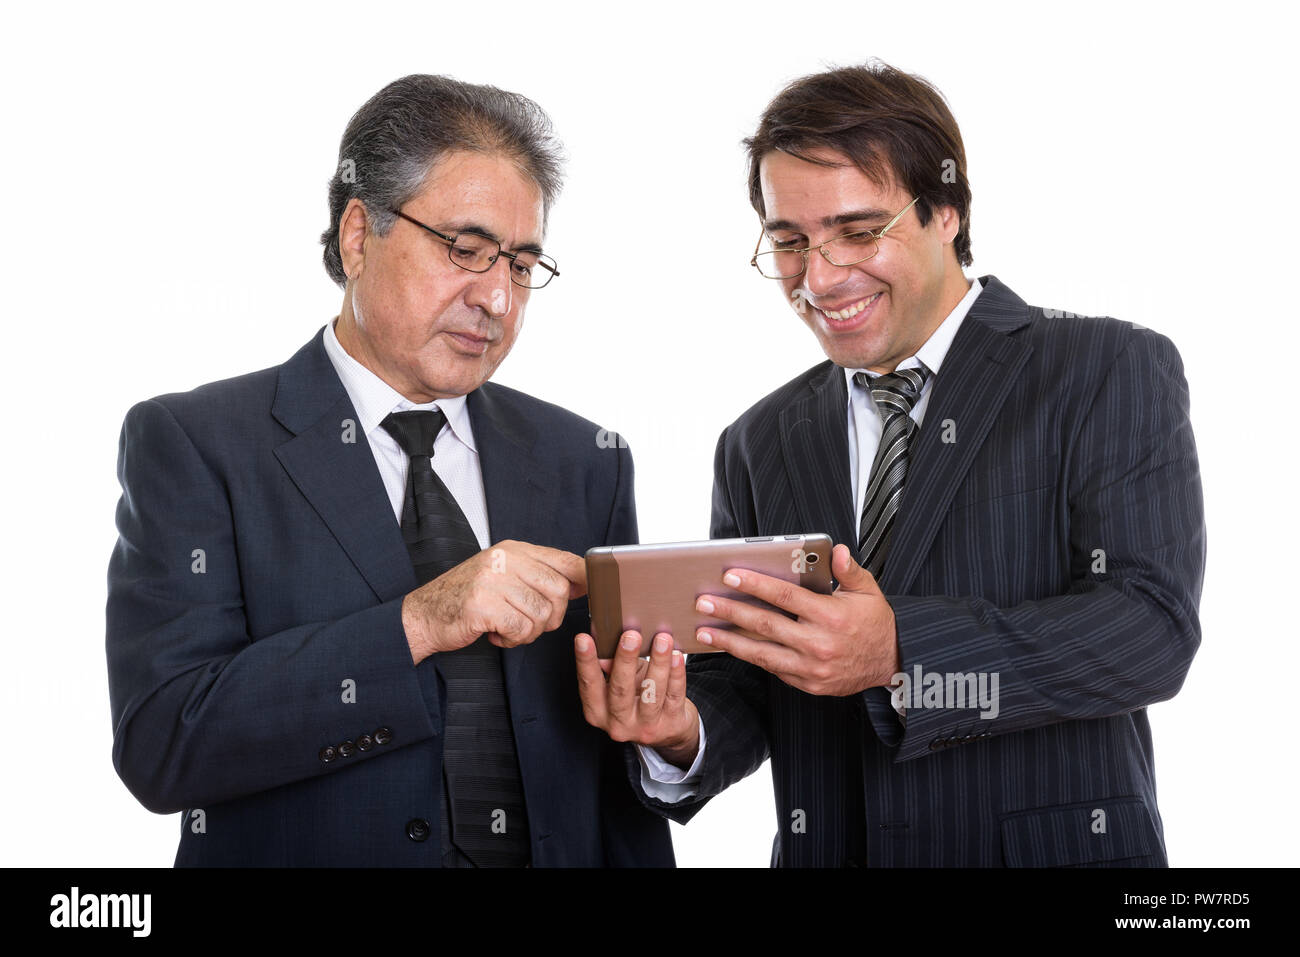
{"type": "Point", "coordinates": [165, 173]}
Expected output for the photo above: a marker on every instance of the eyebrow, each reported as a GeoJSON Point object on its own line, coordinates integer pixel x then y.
{"type": "Point", "coordinates": [839, 219]}
{"type": "Point", "coordinates": [477, 230]}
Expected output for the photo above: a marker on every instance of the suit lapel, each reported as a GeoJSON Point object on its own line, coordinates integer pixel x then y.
{"type": "Point", "coordinates": [337, 476]}
{"type": "Point", "coordinates": [520, 503]}
{"type": "Point", "coordinates": [970, 388]}
{"type": "Point", "coordinates": [814, 444]}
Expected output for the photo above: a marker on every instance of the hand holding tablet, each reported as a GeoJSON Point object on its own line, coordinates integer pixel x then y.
{"type": "Point", "coordinates": [643, 601]}
{"type": "Point", "coordinates": [653, 588]}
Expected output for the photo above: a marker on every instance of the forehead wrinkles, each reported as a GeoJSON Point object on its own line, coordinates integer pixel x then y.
{"type": "Point", "coordinates": [499, 199]}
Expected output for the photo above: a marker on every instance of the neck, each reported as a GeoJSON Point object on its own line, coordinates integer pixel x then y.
{"type": "Point", "coordinates": [951, 291]}
{"type": "Point", "coordinates": [347, 331]}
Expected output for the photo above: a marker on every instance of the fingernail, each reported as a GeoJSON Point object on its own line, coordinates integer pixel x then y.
{"type": "Point", "coordinates": [730, 579]}
{"type": "Point", "coordinates": [704, 638]}
{"type": "Point", "coordinates": [677, 659]}
{"type": "Point", "coordinates": [704, 605]}
{"type": "Point", "coordinates": [662, 643]}
{"type": "Point", "coordinates": [582, 643]}
{"type": "Point", "coordinates": [631, 641]}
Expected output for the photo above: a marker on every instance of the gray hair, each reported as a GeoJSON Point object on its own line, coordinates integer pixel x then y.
{"type": "Point", "coordinates": [393, 141]}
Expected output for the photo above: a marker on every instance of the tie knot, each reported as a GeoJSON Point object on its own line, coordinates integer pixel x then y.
{"type": "Point", "coordinates": [415, 429]}
{"type": "Point", "coordinates": [897, 391]}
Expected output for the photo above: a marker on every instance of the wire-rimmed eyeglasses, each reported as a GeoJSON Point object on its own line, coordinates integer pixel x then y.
{"type": "Point", "coordinates": [530, 269]}
{"type": "Point", "coordinates": [782, 262]}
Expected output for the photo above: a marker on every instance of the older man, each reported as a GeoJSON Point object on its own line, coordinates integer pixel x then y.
{"type": "Point", "coordinates": [1017, 500]}
{"type": "Point", "coordinates": [341, 603]}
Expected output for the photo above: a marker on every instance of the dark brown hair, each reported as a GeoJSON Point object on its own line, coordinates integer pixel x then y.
{"type": "Point", "coordinates": [894, 126]}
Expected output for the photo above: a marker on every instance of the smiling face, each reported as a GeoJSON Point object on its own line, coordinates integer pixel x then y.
{"type": "Point", "coordinates": [427, 327]}
{"type": "Point", "coordinates": [874, 314]}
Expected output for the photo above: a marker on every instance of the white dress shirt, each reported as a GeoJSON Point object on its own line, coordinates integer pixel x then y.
{"type": "Point", "coordinates": [669, 783]}
{"type": "Point", "coordinates": [865, 424]}
{"type": "Point", "coordinates": [455, 457]}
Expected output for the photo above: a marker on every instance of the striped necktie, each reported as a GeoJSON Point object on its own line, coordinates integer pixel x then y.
{"type": "Point", "coordinates": [894, 394]}
{"type": "Point", "coordinates": [484, 820]}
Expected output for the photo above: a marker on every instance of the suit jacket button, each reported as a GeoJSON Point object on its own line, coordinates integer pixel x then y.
{"type": "Point", "coordinates": [383, 736]}
{"type": "Point", "coordinates": [328, 754]}
{"type": "Point", "coordinates": [938, 744]}
{"type": "Point", "coordinates": [417, 829]}
{"type": "Point", "coordinates": [348, 748]}
{"type": "Point", "coordinates": [365, 742]}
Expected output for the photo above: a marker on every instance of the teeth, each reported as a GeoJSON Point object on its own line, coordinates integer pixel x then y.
{"type": "Point", "coordinates": [851, 311]}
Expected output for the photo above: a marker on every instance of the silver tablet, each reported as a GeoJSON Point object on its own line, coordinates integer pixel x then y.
{"type": "Point", "coordinates": [653, 588]}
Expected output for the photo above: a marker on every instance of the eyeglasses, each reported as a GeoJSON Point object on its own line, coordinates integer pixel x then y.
{"type": "Point", "coordinates": [476, 253]}
{"type": "Point", "coordinates": [781, 262]}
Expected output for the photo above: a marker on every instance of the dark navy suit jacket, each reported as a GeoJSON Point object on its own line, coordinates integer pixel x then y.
{"type": "Point", "coordinates": [260, 573]}
{"type": "Point", "coordinates": [1056, 539]}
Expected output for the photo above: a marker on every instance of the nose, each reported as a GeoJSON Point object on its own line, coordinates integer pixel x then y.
{"type": "Point", "coordinates": [492, 290]}
{"type": "Point", "coordinates": [821, 275]}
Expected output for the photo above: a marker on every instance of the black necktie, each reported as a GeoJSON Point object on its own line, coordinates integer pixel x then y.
{"type": "Point", "coordinates": [484, 819]}
{"type": "Point", "coordinates": [895, 394]}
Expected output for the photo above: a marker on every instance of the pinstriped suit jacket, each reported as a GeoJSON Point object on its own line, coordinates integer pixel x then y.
{"type": "Point", "coordinates": [1058, 541]}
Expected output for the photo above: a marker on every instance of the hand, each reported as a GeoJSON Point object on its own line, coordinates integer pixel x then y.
{"type": "Point", "coordinates": [513, 592]}
{"type": "Point", "coordinates": [644, 700]}
{"type": "Point", "coordinates": [840, 643]}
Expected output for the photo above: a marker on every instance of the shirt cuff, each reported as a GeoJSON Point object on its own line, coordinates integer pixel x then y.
{"type": "Point", "coordinates": [667, 782]}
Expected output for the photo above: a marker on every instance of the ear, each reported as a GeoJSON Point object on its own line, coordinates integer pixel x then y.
{"type": "Point", "coordinates": [354, 230]}
{"type": "Point", "coordinates": [947, 221]}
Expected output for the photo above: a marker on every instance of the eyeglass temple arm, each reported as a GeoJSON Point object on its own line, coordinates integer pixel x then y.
{"type": "Point", "coordinates": [890, 224]}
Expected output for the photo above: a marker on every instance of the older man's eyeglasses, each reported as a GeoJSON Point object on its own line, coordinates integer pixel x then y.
{"type": "Point", "coordinates": [786, 261]}
{"type": "Point", "coordinates": [529, 269]}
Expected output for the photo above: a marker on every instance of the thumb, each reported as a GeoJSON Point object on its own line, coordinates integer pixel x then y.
{"type": "Point", "coordinates": [851, 576]}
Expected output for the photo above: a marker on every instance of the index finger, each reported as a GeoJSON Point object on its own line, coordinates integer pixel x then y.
{"type": "Point", "coordinates": [622, 676]}
{"type": "Point", "coordinates": [571, 566]}
{"type": "Point", "coordinates": [775, 591]}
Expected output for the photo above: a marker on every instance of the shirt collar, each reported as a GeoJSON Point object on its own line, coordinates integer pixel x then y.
{"type": "Point", "coordinates": [932, 353]}
{"type": "Point", "coordinates": [373, 398]}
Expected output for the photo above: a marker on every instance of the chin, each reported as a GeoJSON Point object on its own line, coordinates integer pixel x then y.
{"type": "Point", "coordinates": [851, 355]}
{"type": "Point", "coordinates": [459, 376]}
